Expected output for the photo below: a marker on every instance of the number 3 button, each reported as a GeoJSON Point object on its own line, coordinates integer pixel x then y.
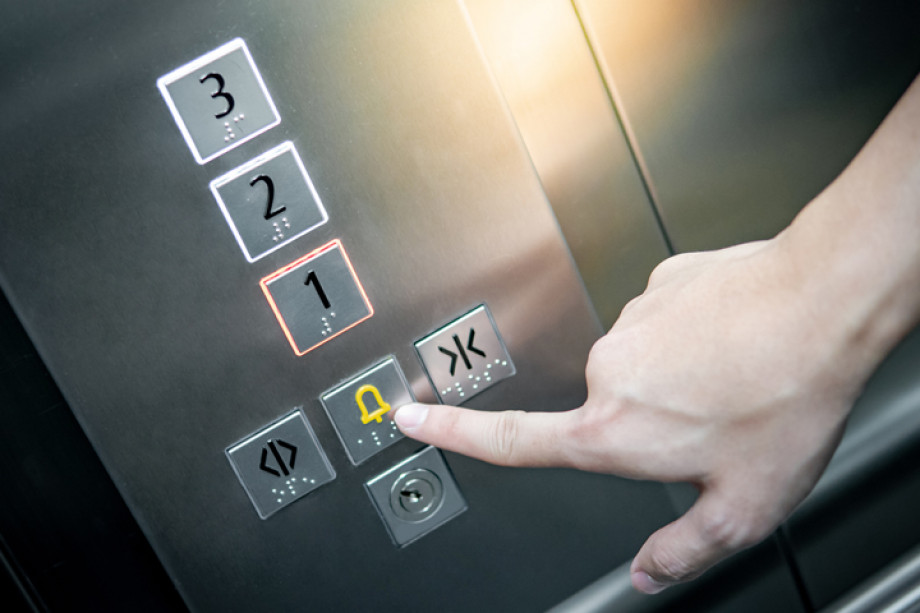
{"type": "Point", "coordinates": [317, 297]}
{"type": "Point", "coordinates": [219, 100]}
{"type": "Point", "coordinates": [269, 201]}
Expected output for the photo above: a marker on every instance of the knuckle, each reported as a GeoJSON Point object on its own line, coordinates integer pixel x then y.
{"type": "Point", "coordinates": [730, 530]}
{"type": "Point", "coordinates": [669, 266]}
{"type": "Point", "coordinates": [671, 568]}
{"type": "Point", "coordinates": [503, 436]}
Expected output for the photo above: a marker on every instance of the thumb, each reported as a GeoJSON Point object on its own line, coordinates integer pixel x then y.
{"type": "Point", "coordinates": [709, 532]}
{"type": "Point", "coordinates": [508, 438]}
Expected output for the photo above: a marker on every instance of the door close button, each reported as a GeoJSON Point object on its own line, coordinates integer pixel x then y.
{"type": "Point", "coordinates": [465, 357]}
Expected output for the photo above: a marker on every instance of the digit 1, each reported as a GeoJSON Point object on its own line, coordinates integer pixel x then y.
{"type": "Point", "coordinates": [311, 278]}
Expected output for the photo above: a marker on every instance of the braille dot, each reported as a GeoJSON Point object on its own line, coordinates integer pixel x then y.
{"type": "Point", "coordinates": [227, 124]}
{"type": "Point", "coordinates": [279, 500]}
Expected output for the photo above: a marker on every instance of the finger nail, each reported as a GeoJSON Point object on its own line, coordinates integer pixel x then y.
{"type": "Point", "coordinates": [645, 584]}
{"type": "Point", "coordinates": [410, 417]}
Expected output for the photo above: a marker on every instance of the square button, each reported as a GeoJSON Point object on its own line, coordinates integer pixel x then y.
{"type": "Point", "coordinates": [416, 496]}
{"type": "Point", "coordinates": [280, 463]}
{"type": "Point", "coordinates": [359, 409]}
{"type": "Point", "coordinates": [317, 297]}
{"type": "Point", "coordinates": [465, 357]}
{"type": "Point", "coordinates": [269, 201]}
{"type": "Point", "coordinates": [219, 100]}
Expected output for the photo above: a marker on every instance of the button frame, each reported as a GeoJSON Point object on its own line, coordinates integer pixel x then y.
{"type": "Point", "coordinates": [403, 529]}
{"type": "Point", "coordinates": [165, 82]}
{"type": "Point", "coordinates": [240, 216]}
{"type": "Point", "coordinates": [358, 307]}
{"type": "Point", "coordinates": [389, 378]}
{"type": "Point", "coordinates": [453, 342]}
{"type": "Point", "coordinates": [253, 465]}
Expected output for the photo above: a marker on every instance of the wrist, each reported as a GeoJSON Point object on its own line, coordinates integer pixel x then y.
{"type": "Point", "coordinates": [856, 267]}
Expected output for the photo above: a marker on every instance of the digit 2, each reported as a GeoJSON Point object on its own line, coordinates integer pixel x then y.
{"type": "Point", "coordinates": [269, 213]}
{"type": "Point", "coordinates": [220, 93]}
{"type": "Point", "coordinates": [311, 278]}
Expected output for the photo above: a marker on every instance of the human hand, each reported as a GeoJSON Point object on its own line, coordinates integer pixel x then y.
{"type": "Point", "coordinates": [725, 373]}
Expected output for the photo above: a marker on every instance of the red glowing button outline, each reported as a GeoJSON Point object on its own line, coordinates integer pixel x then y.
{"type": "Point", "coordinates": [334, 244]}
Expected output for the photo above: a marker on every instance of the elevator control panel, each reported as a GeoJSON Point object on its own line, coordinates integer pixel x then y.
{"type": "Point", "coordinates": [465, 357]}
{"type": "Point", "coordinates": [280, 463]}
{"type": "Point", "coordinates": [360, 409]}
{"type": "Point", "coordinates": [219, 101]}
{"type": "Point", "coordinates": [269, 201]}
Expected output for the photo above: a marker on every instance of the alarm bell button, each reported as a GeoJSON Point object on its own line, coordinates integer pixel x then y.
{"type": "Point", "coordinates": [357, 408]}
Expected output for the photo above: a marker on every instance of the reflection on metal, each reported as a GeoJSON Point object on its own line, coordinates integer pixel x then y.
{"type": "Point", "coordinates": [544, 67]}
{"type": "Point", "coordinates": [743, 111]}
{"type": "Point", "coordinates": [896, 589]}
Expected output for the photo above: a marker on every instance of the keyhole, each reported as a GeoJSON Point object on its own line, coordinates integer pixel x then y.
{"type": "Point", "coordinates": [411, 495]}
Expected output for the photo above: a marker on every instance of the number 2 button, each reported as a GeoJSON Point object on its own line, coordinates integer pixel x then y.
{"type": "Point", "coordinates": [219, 100]}
{"type": "Point", "coordinates": [269, 201]}
{"type": "Point", "coordinates": [317, 297]}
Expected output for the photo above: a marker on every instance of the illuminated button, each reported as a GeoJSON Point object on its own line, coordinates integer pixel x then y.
{"type": "Point", "coordinates": [360, 407]}
{"type": "Point", "coordinates": [317, 297]}
{"type": "Point", "coordinates": [465, 357]}
{"type": "Point", "coordinates": [269, 201]}
{"type": "Point", "coordinates": [219, 100]}
{"type": "Point", "coordinates": [280, 463]}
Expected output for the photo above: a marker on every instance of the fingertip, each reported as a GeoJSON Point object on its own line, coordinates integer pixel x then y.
{"type": "Point", "coordinates": [410, 417]}
{"type": "Point", "coordinates": [644, 583]}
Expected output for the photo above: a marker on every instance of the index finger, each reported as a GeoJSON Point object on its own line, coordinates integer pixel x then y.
{"type": "Point", "coordinates": [508, 438]}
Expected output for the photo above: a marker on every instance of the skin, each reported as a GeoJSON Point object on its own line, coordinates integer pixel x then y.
{"type": "Point", "coordinates": [736, 369]}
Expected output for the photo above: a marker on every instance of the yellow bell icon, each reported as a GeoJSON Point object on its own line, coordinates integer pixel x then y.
{"type": "Point", "coordinates": [382, 407]}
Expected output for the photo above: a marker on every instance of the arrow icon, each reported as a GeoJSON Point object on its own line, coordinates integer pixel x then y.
{"type": "Point", "coordinates": [286, 468]}
{"type": "Point", "coordinates": [461, 353]}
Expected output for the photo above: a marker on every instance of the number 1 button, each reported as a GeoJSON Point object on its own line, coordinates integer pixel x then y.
{"type": "Point", "coordinates": [269, 201]}
{"type": "Point", "coordinates": [219, 100]}
{"type": "Point", "coordinates": [317, 297]}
